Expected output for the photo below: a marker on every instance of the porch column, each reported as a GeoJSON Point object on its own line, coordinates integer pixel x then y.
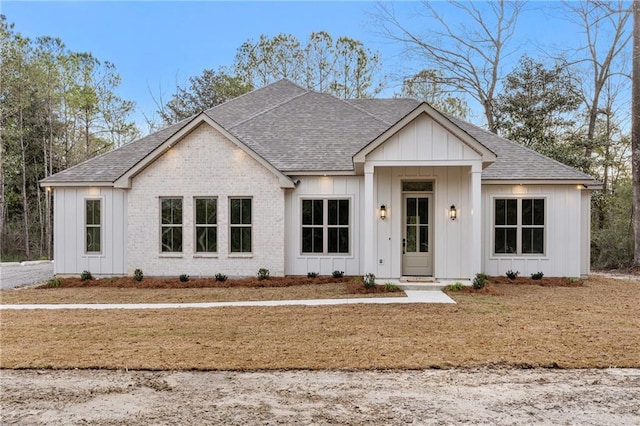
{"type": "Point", "coordinates": [476, 219]}
{"type": "Point", "coordinates": [369, 220]}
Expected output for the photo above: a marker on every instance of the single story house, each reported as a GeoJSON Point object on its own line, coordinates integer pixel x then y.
{"type": "Point", "coordinates": [297, 181]}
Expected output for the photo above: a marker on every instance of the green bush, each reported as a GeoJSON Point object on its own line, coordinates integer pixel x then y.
{"type": "Point", "coordinates": [369, 280]}
{"type": "Point", "coordinates": [537, 276]}
{"type": "Point", "coordinates": [263, 274]}
{"type": "Point", "coordinates": [457, 286]}
{"type": "Point", "coordinates": [337, 274]}
{"type": "Point", "coordinates": [138, 275]}
{"type": "Point", "coordinates": [512, 275]}
{"type": "Point", "coordinates": [221, 277]}
{"type": "Point", "coordinates": [85, 275]}
{"type": "Point", "coordinates": [312, 274]}
{"type": "Point", "coordinates": [479, 281]}
{"type": "Point", "coordinates": [391, 287]}
{"type": "Point", "coordinates": [54, 282]}
{"type": "Point", "coordinates": [184, 278]}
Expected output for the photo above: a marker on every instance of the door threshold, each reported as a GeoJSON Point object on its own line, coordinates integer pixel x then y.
{"type": "Point", "coordinates": [418, 279]}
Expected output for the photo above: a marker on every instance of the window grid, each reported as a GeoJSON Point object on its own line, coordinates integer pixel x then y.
{"type": "Point", "coordinates": [519, 226]}
{"type": "Point", "coordinates": [206, 224]}
{"type": "Point", "coordinates": [93, 225]}
{"type": "Point", "coordinates": [240, 225]}
{"type": "Point", "coordinates": [325, 226]}
{"type": "Point", "coordinates": [171, 225]}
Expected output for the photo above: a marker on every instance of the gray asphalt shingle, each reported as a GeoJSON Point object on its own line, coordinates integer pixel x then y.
{"type": "Point", "coordinates": [298, 130]}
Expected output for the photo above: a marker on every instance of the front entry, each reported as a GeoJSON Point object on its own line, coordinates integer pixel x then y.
{"type": "Point", "coordinates": [417, 235]}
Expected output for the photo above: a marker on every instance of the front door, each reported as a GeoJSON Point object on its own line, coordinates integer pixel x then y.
{"type": "Point", "coordinates": [417, 258]}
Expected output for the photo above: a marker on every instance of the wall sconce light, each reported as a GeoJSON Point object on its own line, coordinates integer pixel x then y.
{"type": "Point", "coordinates": [383, 212]}
{"type": "Point", "coordinates": [453, 213]}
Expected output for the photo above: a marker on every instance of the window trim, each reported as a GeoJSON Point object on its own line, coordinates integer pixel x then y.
{"type": "Point", "coordinates": [181, 225]}
{"type": "Point", "coordinates": [86, 226]}
{"type": "Point", "coordinates": [231, 225]}
{"type": "Point", "coordinates": [325, 226]}
{"type": "Point", "coordinates": [197, 253]}
{"type": "Point", "coordinates": [519, 226]}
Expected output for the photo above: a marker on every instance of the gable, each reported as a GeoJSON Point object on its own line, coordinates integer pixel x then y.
{"type": "Point", "coordinates": [423, 139]}
{"type": "Point", "coordinates": [125, 180]}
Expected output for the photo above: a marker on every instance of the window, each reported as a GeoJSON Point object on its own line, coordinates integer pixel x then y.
{"type": "Point", "coordinates": [171, 225]}
{"type": "Point", "coordinates": [206, 225]}
{"type": "Point", "coordinates": [325, 226]}
{"type": "Point", "coordinates": [240, 225]}
{"type": "Point", "coordinates": [92, 226]}
{"type": "Point", "coordinates": [519, 226]}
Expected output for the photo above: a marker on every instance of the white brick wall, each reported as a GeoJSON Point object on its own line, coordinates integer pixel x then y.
{"type": "Point", "coordinates": [205, 163]}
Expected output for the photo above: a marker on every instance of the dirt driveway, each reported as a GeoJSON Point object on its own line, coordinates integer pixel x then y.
{"type": "Point", "coordinates": [476, 396]}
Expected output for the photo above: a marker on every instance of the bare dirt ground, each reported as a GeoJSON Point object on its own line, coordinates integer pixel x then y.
{"type": "Point", "coordinates": [472, 396]}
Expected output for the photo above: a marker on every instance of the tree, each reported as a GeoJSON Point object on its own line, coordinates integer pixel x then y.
{"type": "Point", "coordinates": [469, 55]}
{"type": "Point", "coordinates": [635, 131]}
{"type": "Point", "coordinates": [344, 68]}
{"type": "Point", "coordinates": [601, 22]}
{"type": "Point", "coordinates": [424, 86]}
{"type": "Point", "coordinates": [535, 109]}
{"type": "Point", "coordinates": [56, 108]}
{"type": "Point", "coordinates": [205, 91]}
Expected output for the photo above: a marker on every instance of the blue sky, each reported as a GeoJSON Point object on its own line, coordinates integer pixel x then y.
{"type": "Point", "coordinates": [155, 45]}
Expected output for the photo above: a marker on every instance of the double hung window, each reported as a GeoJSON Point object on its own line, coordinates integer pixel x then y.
{"type": "Point", "coordinates": [206, 225]}
{"type": "Point", "coordinates": [519, 226]}
{"type": "Point", "coordinates": [240, 225]}
{"type": "Point", "coordinates": [325, 226]}
{"type": "Point", "coordinates": [93, 225]}
{"type": "Point", "coordinates": [171, 225]}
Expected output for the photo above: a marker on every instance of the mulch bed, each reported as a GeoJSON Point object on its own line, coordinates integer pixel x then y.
{"type": "Point", "coordinates": [543, 282]}
{"type": "Point", "coordinates": [174, 282]}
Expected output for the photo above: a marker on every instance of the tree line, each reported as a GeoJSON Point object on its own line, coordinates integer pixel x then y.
{"type": "Point", "coordinates": [570, 105]}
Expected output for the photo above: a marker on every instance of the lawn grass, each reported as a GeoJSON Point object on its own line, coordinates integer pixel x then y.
{"type": "Point", "coordinates": [596, 325]}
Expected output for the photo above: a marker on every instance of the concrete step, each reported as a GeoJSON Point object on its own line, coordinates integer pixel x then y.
{"type": "Point", "coordinates": [433, 286]}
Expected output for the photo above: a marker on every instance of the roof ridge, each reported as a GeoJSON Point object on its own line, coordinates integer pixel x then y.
{"type": "Point", "coordinates": [268, 109]}
{"type": "Point", "coordinates": [346, 101]}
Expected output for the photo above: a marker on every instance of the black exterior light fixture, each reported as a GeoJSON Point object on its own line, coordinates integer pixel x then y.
{"type": "Point", "coordinates": [453, 213]}
{"type": "Point", "coordinates": [383, 212]}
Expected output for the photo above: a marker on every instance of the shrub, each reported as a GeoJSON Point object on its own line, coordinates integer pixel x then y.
{"type": "Point", "coordinates": [369, 280]}
{"type": "Point", "coordinates": [479, 281]}
{"type": "Point", "coordinates": [85, 275]}
{"type": "Point", "coordinates": [537, 276]}
{"type": "Point", "coordinates": [512, 275]}
{"type": "Point", "coordinates": [263, 274]}
{"type": "Point", "coordinates": [391, 287]}
{"type": "Point", "coordinates": [221, 277]}
{"type": "Point", "coordinates": [54, 282]}
{"type": "Point", "coordinates": [457, 286]}
{"type": "Point", "coordinates": [312, 274]}
{"type": "Point", "coordinates": [184, 278]}
{"type": "Point", "coordinates": [138, 275]}
{"type": "Point", "coordinates": [337, 274]}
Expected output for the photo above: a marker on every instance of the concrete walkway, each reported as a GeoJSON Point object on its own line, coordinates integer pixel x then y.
{"type": "Point", "coordinates": [412, 297]}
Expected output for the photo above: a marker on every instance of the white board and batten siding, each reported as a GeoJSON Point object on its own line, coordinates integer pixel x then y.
{"type": "Point", "coordinates": [567, 239]}
{"type": "Point", "coordinates": [69, 251]}
{"type": "Point", "coordinates": [425, 151]}
{"type": "Point", "coordinates": [421, 140]}
{"type": "Point", "coordinates": [324, 187]}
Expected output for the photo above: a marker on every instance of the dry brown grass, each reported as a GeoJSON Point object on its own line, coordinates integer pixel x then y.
{"type": "Point", "coordinates": [570, 327]}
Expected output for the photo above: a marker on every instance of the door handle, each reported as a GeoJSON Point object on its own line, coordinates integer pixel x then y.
{"type": "Point", "coordinates": [404, 243]}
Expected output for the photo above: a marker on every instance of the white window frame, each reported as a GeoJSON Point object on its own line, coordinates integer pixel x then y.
{"type": "Point", "coordinates": [240, 225]}
{"type": "Point", "coordinates": [87, 226]}
{"type": "Point", "coordinates": [325, 226]}
{"type": "Point", "coordinates": [197, 225]}
{"type": "Point", "coordinates": [172, 225]}
{"type": "Point", "coordinates": [519, 226]}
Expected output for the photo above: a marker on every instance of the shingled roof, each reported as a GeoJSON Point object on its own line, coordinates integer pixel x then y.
{"type": "Point", "coordinates": [299, 130]}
